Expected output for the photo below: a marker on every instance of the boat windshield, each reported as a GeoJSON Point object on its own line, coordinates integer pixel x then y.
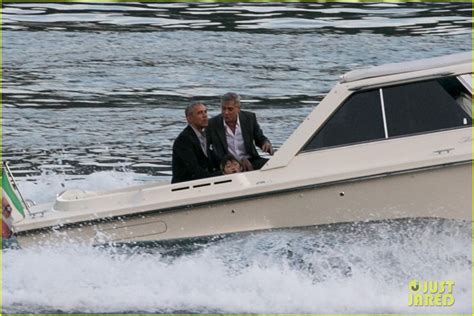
{"type": "Point", "coordinates": [398, 110]}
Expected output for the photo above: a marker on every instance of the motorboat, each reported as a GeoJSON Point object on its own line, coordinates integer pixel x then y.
{"type": "Point", "coordinates": [387, 142]}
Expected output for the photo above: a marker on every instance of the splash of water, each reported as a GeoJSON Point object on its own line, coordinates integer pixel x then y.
{"type": "Point", "coordinates": [348, 268]}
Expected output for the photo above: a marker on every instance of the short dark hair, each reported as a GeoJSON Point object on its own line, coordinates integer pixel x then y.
{"type": "Point", "coordinates": [228, 158]}
{"type": "Point", "coordinates": [231, 96]}
{"type": "Point", "coordinates": [189, 109]}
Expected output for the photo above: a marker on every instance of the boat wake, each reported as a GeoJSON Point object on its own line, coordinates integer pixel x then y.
{"type": "Point", "coordinates": [344, 268]}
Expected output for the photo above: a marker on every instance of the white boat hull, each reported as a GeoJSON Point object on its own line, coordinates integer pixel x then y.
{"type": "Point", "coordinates": [438, 192]}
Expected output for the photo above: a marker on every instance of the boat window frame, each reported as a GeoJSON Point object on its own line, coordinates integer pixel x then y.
{"type": "Point", "coordinates": [464, 78]}
{"type": "Point", "coordinates": [331, 115]}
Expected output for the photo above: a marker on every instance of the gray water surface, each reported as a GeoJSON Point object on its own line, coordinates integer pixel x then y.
{"type": "Point", "coordinates": [90, 87]}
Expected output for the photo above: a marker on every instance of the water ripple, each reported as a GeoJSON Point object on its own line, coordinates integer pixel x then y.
{"type": "Point", "coordinates": [85, 86]}
{"type": "Point", "coordinates": [229, 16]}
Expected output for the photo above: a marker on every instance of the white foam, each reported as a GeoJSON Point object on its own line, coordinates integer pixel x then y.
{"type": "Point", "coordinates": [259, 273]}
{"type": "Point", "coordinates": [348, 269]}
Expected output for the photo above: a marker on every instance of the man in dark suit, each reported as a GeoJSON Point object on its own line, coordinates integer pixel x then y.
{"type": "Point", "coordinates": [237, 132]}
{"type": "Point", "coordinates": [191, 157]}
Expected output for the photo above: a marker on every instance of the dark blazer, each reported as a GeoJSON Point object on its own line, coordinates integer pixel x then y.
{"type": "Point", "coordinates": [188, 161]}
{"type": "Point", "coordinates": [251, 133]}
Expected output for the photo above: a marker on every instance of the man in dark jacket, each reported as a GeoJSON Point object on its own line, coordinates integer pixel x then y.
{"type": "Point", "coordinates": [237, 132]}
{"type": "Point", "coordinates": [191, 157]}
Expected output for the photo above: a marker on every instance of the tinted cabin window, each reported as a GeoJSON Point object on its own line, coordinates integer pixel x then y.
{"type": "Point", "coordinates": [409, 109]}
{"type": "Point", "coordinates": [424, 106]}
{"type": "Point", "coordinates": [359, 119]}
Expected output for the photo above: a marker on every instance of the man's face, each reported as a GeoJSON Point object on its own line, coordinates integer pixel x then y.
{"type": "Point", "coordinates": [198, 117]}
{"type": "Point", "coordinates": [230, 111]}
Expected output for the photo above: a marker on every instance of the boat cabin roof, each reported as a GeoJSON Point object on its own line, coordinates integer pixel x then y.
{"type": "Point", "coordinates": [405, 67]}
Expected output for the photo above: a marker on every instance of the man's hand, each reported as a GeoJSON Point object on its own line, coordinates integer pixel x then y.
{"type": "Point", "coordinates": [267, 147]}
{"type": "Point", "coordinates": [246, 165]}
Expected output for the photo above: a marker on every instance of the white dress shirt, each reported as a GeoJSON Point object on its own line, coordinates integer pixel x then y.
{"type": "Point", "coordinates": [235, 142]}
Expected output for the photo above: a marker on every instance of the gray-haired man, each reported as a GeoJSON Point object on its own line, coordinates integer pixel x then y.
{"type": "Point", "coordinates": [237, 132]}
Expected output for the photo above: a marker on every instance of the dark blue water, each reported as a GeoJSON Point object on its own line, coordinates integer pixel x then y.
{"type": "Point", "coordinates": [93, 97]}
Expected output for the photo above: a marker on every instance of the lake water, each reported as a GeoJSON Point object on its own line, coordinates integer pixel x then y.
{"type": "Point", "coordinates": [93, 97]}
